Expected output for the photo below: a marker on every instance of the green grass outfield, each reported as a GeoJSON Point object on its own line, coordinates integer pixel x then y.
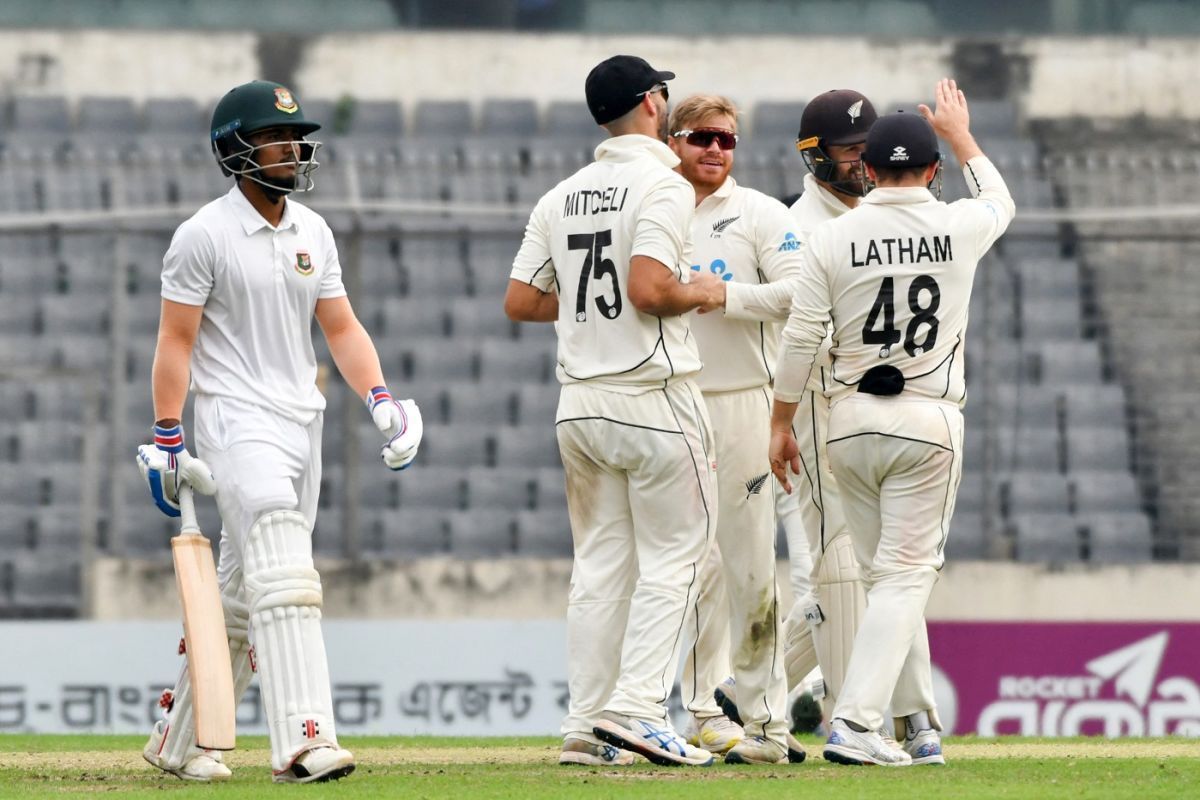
{"type": "Point", "coordinates": [424, 767]}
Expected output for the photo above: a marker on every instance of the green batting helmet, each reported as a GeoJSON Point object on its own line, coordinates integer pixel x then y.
{"type": "Point", "coordinates": [252, 107]}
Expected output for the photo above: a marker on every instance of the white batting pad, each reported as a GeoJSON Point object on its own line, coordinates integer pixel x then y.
{"type": "Point", "coordinates": [842, 603]}
{"type": "Point", "coordinates": [285, 623]}
{"type": "Point", "coordinates": [800, 654]}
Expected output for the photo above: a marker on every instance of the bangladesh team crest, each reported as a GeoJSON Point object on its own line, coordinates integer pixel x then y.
{"type": "Point", "coordinates": [303, 263]}
{"type": "Point", "coordinates": [285, 102]}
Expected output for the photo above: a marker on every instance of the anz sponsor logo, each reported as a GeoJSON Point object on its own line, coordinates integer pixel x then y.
{"type": "Point", "coordinates": [790, 243]}
{"type": "Point", "coordinates": [1120, 695]}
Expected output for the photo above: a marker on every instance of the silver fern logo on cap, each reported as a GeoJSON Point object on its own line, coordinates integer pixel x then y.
{"type": "Point", "coordinates": [855, 111]}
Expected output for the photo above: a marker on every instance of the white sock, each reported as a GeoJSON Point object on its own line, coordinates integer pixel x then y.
{"type": "Point", "coordinates": [917, 722]}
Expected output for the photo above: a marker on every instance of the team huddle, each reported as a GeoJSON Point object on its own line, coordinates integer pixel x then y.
{"type": "Point", "coordinates": [681, 395]}
{"type": "Point", "coordinates": [708, 337]}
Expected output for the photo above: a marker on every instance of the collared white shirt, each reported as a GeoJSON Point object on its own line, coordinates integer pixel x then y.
{"type": "Point", "coordinates": [747, 239]}
{"type": "Point", "coordinates": [896, 274]}
{"type": "Point", "coordinates": [579, 241]}
{"type": "Point", "coordinates": [259, 287]}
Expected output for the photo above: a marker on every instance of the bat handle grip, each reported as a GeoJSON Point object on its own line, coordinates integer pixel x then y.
{"type": "Point", "coordinates": [187, 511]}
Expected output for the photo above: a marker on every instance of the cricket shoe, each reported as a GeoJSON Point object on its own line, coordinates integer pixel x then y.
{"type": "Point", "coordinates": [795, 751]}
{"type": "Point", "coordinates": [576, 750]}
{"type": "Point", "coordinates": [655, 740]}
{"type": "Point", "coordinates": [848, 746]}
{"type": "Point", "coordinates": [757, 750]}
{"type": "Point", "coordinates": [715, 734]}
{"type": "Point", "coordinates": [889, 740]}
{"type": "Point", "coordinates": [924, 747]}
{"type": "Point", "coordinates": [318, 765]}
{"type": "Point", "coordinates": [726, 697]}
{"type": "Point", "coordinates": [204, 766]}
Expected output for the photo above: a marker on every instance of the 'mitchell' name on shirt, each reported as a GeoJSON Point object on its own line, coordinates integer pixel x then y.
{"type": "Point", "coordinates": [932, 249]}
{"type": "Point", "coordinates": [595, 201]}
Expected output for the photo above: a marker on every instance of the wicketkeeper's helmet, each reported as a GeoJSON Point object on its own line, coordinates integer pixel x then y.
{"type": "Point", "coordinates": [253, 107]}
{"type": "Point", "coordinates": [838, 117]}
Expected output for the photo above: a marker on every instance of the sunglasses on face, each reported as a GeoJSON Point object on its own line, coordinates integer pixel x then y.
{"type": "Point", "coordinates": [658, 87]}
{"type": "Point", "coordinates": [704, 137]}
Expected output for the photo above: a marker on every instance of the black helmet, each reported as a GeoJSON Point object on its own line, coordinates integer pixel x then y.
{"type": "Point", "coordinates": [838, 117]}
{"type": "Point", "coordinates": [257, 106]}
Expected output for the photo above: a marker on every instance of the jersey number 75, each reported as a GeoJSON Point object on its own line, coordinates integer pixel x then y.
{"type": "Point", "coordinates": [595, 265]}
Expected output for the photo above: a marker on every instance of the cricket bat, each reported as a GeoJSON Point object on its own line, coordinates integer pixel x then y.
{"type": "Point", "coordinates": [204, 631]}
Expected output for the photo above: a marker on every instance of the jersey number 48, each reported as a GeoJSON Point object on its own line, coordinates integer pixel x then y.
{"type": "Point", "coordinates": [889, 334]}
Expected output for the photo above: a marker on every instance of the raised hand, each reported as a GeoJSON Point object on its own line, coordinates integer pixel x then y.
{"type": "Point", "coordinates": [951, 115]}
{"type": "Point", "coordinates": [951, 121]}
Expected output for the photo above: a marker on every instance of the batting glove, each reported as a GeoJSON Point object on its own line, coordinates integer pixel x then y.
{"type": "Point", "coordinates": [400, 421]}
{"type": "Point", "coordinates": [166, 463]}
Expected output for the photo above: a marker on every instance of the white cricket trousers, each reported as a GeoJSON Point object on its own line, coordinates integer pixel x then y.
{"type": "Point", "coordinates": [898, 461]}
{"type": "Point", "coordinates": [641, 493]}
{"type": "Point", "coordinates": [737, 610]}
{"type": "Point", "coordinates": [265, 464]}
{"type": "Point", "coordinates": [262, 462]}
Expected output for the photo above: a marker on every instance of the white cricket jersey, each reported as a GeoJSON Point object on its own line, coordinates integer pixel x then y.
{"type": "Point", "coordinates": [746, 238]}
{"type": "Point", "coordinates": [259, 287]}
{"type": "Point", "coordinates": [774, 301]}
{"type": "Point", "coordinates": [896, 274]}
{"type": "Point", "coordinates": [579, 241]}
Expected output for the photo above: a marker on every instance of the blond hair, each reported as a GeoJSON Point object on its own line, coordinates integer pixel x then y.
{"type": "Point", "coordinates": [700, 107]}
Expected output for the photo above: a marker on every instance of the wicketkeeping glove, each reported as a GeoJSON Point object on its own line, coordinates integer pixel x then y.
{"type": "Point", "coordinates": [166, 463]}
{"type": "Point", "coordinates": [400, 421]}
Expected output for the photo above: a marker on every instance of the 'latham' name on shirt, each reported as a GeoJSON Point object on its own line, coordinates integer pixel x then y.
{"type": "Point", "coordinates": [930, 249]}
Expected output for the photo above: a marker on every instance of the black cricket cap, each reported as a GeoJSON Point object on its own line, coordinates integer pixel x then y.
{"type": "Point", "coordinates": [616, 84]}
{"type": "Point", "coordinates": [837, 117]}
{"type": "Point", "coordinates": [901, 140]}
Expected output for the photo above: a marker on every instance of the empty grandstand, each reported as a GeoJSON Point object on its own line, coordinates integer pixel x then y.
{"type": "Point", "coordinates": [1080, 368]}
{"type": "Point", "coordinates": [1053, 369]}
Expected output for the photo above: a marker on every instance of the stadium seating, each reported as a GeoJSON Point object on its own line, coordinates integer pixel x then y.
{"type": "Point", "coordinates": [509, 117]}
{"type": "Point", "coordinates": [966, 540]}
{"type": "Point", "coordinates": [776, 122]}
{"type": "Point", "coordinates": [1051, 444]}
{"type": "Point", "coordinates": [1052, 538]}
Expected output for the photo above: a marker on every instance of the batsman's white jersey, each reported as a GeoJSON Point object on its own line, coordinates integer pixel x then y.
{"type": "Point", "coordinates": [743, 236]}
{"type": "Point", "coordinates": [632, 430]}
{"type": "Point", "coordinates": [896, 275]}
{"type": "Point", "coordinates": [259, 287]}
{"type": "Point", "coordinates": [579, 241]}
{"type": "Point", "coordinates": [258, 426]}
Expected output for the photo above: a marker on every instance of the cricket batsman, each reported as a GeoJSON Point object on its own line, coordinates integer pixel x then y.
{"type": "Point", "coordinates": [241, 283]}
